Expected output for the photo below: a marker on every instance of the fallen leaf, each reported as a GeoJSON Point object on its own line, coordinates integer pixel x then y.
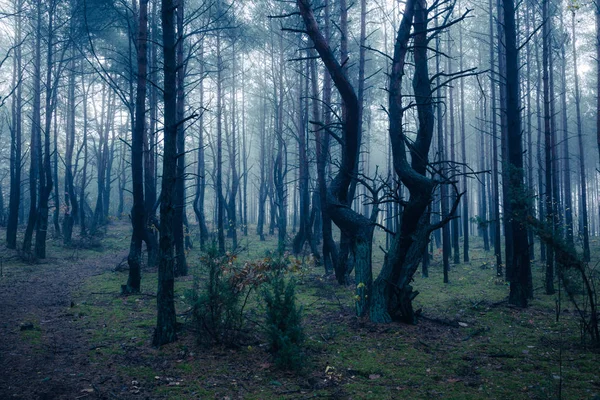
{"type": "Point", "coordinates": [374, 376]}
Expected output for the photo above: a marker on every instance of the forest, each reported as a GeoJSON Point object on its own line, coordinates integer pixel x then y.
{"type": "Point", "coordinates": [269, 199]}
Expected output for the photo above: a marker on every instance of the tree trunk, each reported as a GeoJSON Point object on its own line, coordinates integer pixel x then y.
{"type": "Point", "coordinates": [454, 223]}
{"type": "Point", "coordinates": [35, 147]}
{"type": "Point", "coordinates": [71, 203]}
{"type": "Point", "coordinates": [530, 179]}
{"type": "Point", "coordinates": [82, 196]}
{"type": "Point", "coordinates": [262, 165]}
{"type": "Point", "coordinates": [463, 139]}
{"type": "Point", "coordinates": [45, 165]}
{"type": "Point", "coordinates": [520, 275]}
{"type": "Point", "coordinates": [201, 169]}
{"type": "Point", "coordinates": [549, 205]}
{"type": "Point", "coordinates": [181, 268]}
{"type": "Point", "coordinates": [15, 137]}
{"type": "Point", "coordinates": [496, 186]}
{"type": "Point", "coordinates": [232, 145]}
{"type": "Point", "coordinates": [582, 181]}
{"type": "Point", "coordinates": [150, 149]}
{"type": "Point", "coordinates": [55, 197]}
{"type": "Point", "coordinates": [219, 166]}
{"type": "Point", "coordinates": [441, 156]}
{"type": "Point", "coordinates": [304, 230]}
{"type": "Point", "coordinates": [280, 165]}
{"type": "Point", "coordinates": [322, 139]}
{"type": "Point", "coordinates": [166, 321]}
{"type": "Point", "coordinates": [138, 215]}
{"type": "Point", "coordinates": [566, 167]}
{"type": "Point", "coordinates": [506, 203]}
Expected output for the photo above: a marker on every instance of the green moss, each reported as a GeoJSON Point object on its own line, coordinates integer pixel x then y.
{"type": "Point", "coordinates": [32, 336]}
{"type": "Point", "coordinates": [501, 352]}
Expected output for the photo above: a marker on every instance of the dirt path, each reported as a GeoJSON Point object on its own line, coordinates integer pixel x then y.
{"type": "Point", "coordinates": [43, 353]}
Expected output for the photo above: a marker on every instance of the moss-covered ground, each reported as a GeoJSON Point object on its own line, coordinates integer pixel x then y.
{"type": "Point", "coordinates": [469, 344]}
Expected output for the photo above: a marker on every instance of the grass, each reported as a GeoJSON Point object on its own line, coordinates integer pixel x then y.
{"type": "Point", "coordinates": [497, 352]}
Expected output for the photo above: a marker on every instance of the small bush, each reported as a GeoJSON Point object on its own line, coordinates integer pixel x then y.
{"type": "Point", "coordinates": [216, 307]}
{"type": "Point", "coordinates": [284, 323]}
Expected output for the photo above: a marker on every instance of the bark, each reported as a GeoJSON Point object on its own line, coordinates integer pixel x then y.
{"type": "Point", "coordinates": [280, 164]}
{"type": "Point", "coordinates": [465, 198]}
{"type": "Point", "coordinates": [71, 202]}
{"type": "Point", "coordinates": [304, 232]}
{"type": "Point", "coordinates": [454, 224]}
{"type": "Point", "coordinates": [150, 148]}
{"type": "Point", "coordinates": [166, 320]}
{"type": "Point", "coordinates": [138, 215]}
{"type": "Point", "coordinates": [441, 156]}
{"type": "Point", "coordinates": [582, 176]}
{"type": "Point", "coordinates": [262, 184]}
{"type": "Point", "coordinates": [219, 167]}
{"type": "Point", "coordinates": [15, 137]}
{"type": "Point", "coordinates": [201, 168]}
{"type": "Point", "coordinates": [530, 179]}
{"type": "Point", "coordinates": [110, 157]}
{"type": "Point", "coordinates": [549, 204]}
{"type": "Point", "coordinates": [540, 129]}
{"type": "Point", "coordinates": [35, 147]}
{"type": "Point", "coordinates": [496, 186]}
{"type": "Point", "coordinates": [506, 202]}
{"type": "Point", "coordinates": [82, 196]}
{"type": "Point", "coordinates": [483, 213]}
{"type": "Point", "coordinates": [245, 151]}
{"type": "Point", "coordinates": [566, 167]}
{"type": "Point", "coordinates": [520, 275]}
{"type": "Point", "coordinates": [44, 157]}
{"type": "Point", "coordinates": [55, 197]}
{"type": "Point", "coordinates": [232, 145]}
{"type": "Point", "coordinates": [181, 267]}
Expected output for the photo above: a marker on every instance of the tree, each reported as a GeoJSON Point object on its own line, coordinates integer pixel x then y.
{"type": "Point", "coordinates": [201, 166]}
{"type": "Point", "coordinates": [520, 271]}
{"type": "Point", "coordinates": [181, 268]}
{"type": "Point", "coordinates": [582, 180]}
{"type": "Point", "coordinates": [165, 321]}
{"type": "Point", "coordinates": [71, 204]}
{"type": "Point", "coordinates": [220, 200]}
{"type": "Point", "coordinates": [463, 139]}
{"type": "Point", "coordinates": [15, 134]}
{"type": "Point", "coordinates": [357, 227]}
{"type": "Point", "coordinates": [392, 292]}
{"type": "Point", "coordinates": [496, 186]}
{"type": "Point", "coordinates": [548, 145]}
{"type": "Point", "coordinates": [304, 232]}
{"type": "Point", "coordinates": [138, 212]}
{"type": "Point", "coordinates": [35, 146]}
{"type": "Point", "coordinates": [441, 151]}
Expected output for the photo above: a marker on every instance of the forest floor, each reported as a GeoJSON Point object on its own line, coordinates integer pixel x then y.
{"type": "Point", "coordinates": [66, 332]}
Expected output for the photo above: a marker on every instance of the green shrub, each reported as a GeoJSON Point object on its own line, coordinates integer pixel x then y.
{"type": "Point", "coordinates": [216, 307]}
{"type": "Point", "coordinates": [284, 323]}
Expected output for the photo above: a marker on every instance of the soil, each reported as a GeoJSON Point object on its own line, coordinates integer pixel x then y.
{"type": "Point", "coordinates": [36, 301]}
